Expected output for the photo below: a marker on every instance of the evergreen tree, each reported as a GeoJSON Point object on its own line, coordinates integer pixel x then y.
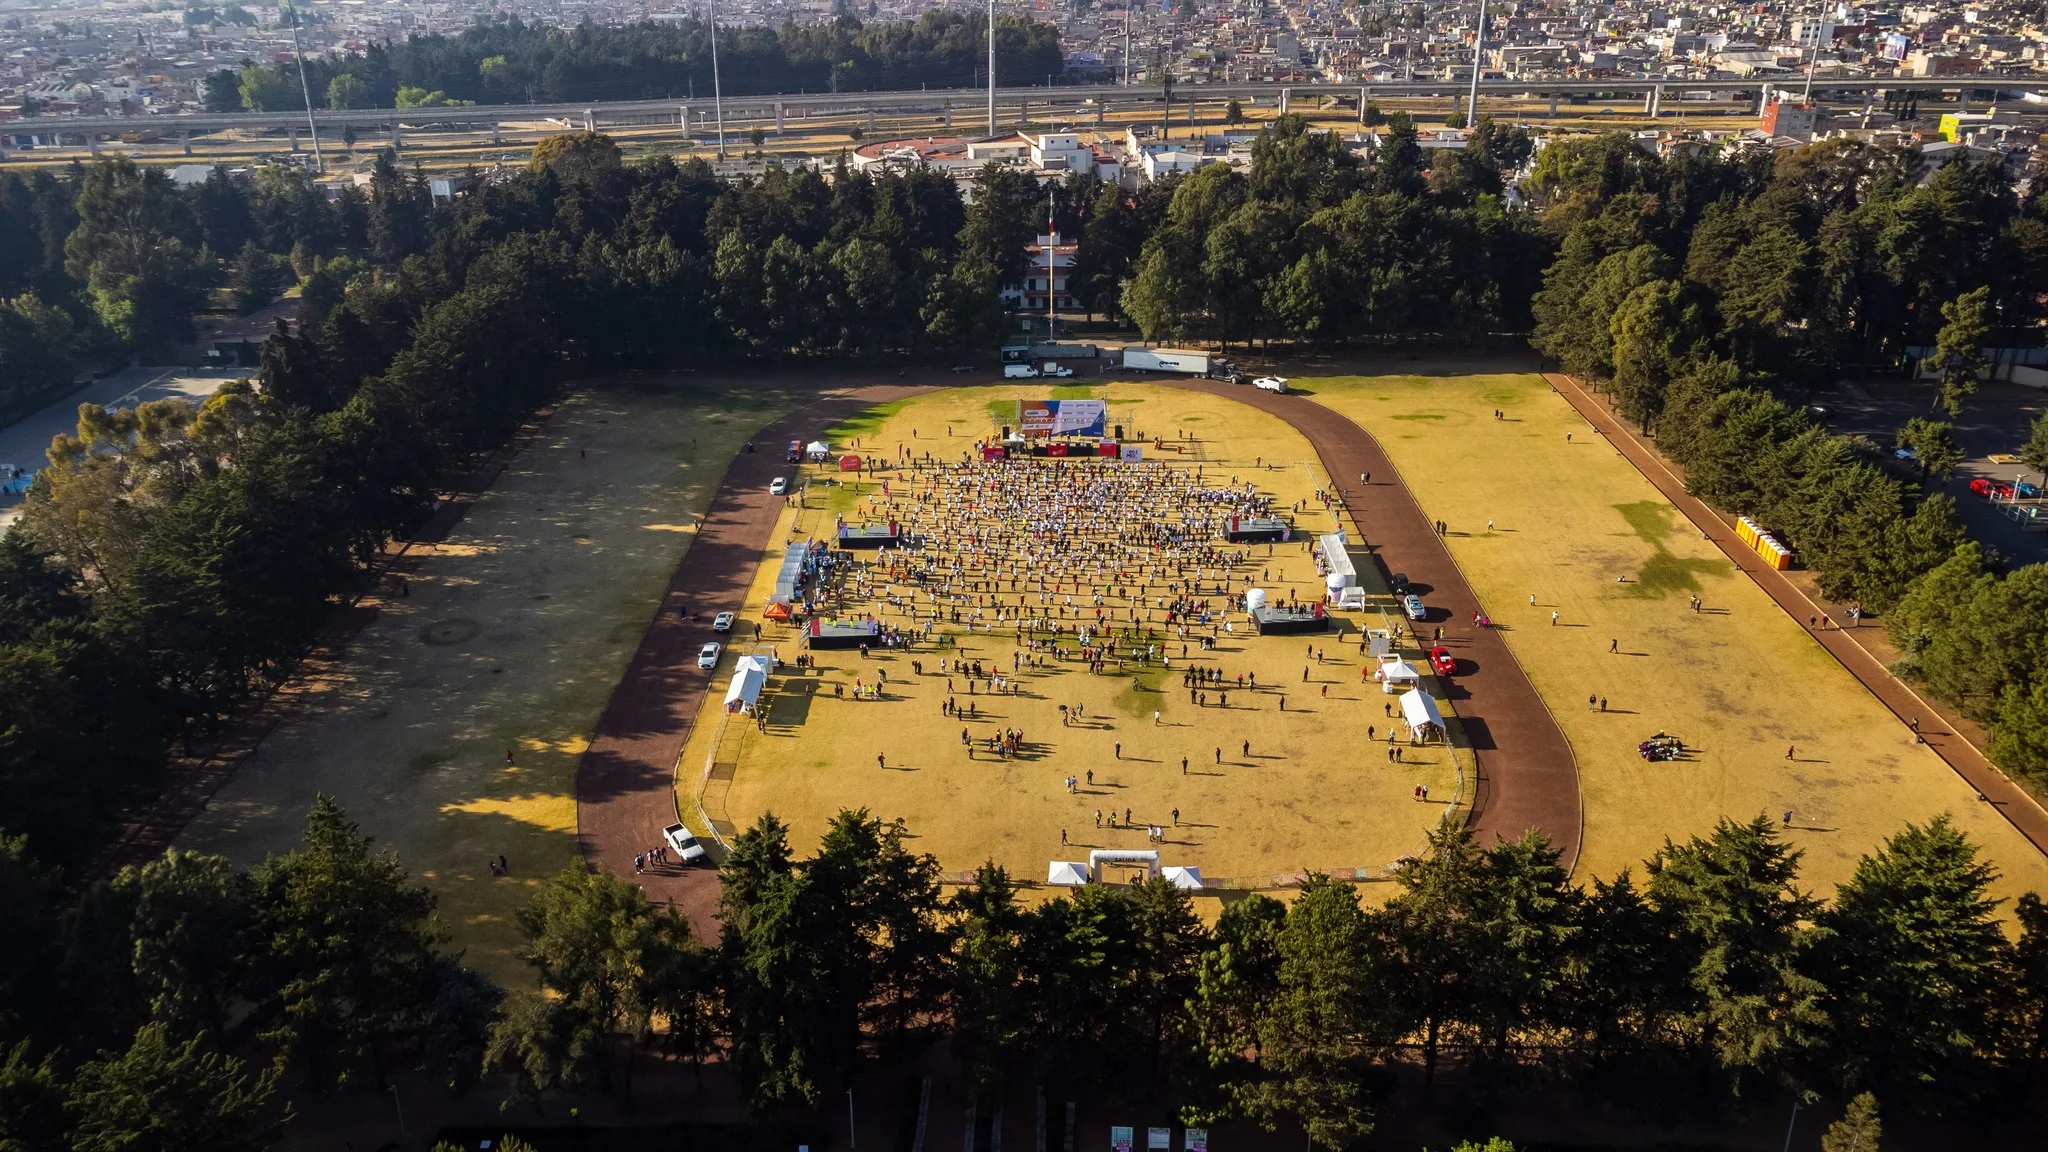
{"type": "Point", "coordinates": [1858, 1130]}
{"type": "Point", "coordinates": [1917, 967]}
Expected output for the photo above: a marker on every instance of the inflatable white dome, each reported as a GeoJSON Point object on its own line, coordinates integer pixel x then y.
{"type": "Point", "coordinates": [1335, 582]}
{"type": "Point", "coordinates": [1255, 599]}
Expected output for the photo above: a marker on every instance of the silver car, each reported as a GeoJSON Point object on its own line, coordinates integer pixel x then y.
{"type": "Point", "coordinates": [1412, 605]}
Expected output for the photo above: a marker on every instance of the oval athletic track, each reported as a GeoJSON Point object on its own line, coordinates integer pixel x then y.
{"type": "Point", "coordinates": [626, 781]}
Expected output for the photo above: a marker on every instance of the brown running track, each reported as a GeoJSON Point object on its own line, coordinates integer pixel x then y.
{"type": "Point", "coordinates": [1528, 777]}
{"type": "Point", "coordinates": [2012, 801]}
{"type": "Point", "coordinates": [625, 783]}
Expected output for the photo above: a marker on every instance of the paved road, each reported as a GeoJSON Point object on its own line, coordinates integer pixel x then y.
{"type": "Point", "coordinates": [2013, 802]}
{"type": "Point", "coordinates": [625, 784]}
{"type": "Point", "coordinates": [1528, 776]}
{"type": "Point", "coordinates": [23, 442]}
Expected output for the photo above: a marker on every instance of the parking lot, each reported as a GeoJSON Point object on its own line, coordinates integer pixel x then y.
{"type": "Point", "coordinates": [1994, 422]}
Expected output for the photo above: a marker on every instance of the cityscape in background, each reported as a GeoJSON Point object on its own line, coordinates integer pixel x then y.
{"type": "Point", "coordinates": [120, 72]}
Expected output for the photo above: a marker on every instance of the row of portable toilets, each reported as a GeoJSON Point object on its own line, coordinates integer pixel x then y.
{"type": "Point", "coordinates": [1766, 545]}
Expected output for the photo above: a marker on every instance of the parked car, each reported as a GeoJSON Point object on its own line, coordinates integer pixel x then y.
{"type": "Point", "coordinates": [1991, 489]}
{"type": "Point", "coordinates": [962, 369]}
{"type": "Point", "coordinates": [1904, 454]}
{"type": "Point", "coordinates": [1412, 605]}
{"type": "Point", "coordinates": [685, 845]}
{"type": "Point", "coordinates": [707, 656]}
{"type": "Point", "coordinates": [1442, 660]}
{"type": "Point", "coordinates": [1398, 583]}
{"type": "Point", "coordinates": [723, 622]}
{"type": "Point", "coordinates": [2025, 489]}
{"type": "Point", "coordinates": [778, 486]}
{"type": "Point", "coordinates": [1271, 383]}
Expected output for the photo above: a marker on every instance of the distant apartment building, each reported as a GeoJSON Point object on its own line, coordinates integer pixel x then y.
{"type": "Point", "coordinates": [1785, 118]}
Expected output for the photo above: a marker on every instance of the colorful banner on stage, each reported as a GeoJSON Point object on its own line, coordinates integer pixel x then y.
{"type": "Point", "coordinates": [1119, 1138]}
{"type": "Point", "coordinates": [1196, 1139]}
{"type": "Point", "coordinates": [1061, 417]}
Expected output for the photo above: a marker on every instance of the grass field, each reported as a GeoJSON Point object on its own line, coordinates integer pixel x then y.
{"type": "Point", "coordinates": [1313, 793]}
{"type": "Point", "coordinates": [1575, 525]}
{"type": "Point", "coordinates": [516, 630]}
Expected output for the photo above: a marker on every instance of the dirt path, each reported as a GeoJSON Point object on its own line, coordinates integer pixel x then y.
{"type": "Point", "coordinates": [625, 783]}
{"type": "Point", "coordinates": [1971, 764]}
{"type": "Point", "coordinates": [1528, 776]}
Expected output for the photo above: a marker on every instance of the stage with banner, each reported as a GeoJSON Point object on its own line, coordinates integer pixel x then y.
{"type": "Point", "coordinates": [1061, 417]}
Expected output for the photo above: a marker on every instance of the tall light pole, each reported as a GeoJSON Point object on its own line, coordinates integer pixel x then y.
{"type": "Point", "coordinates": [1051, 319]}
{"type": "Point", "coordinates": [717, 90]}
{"type": "Point", "coordinates": [1806, 97]}
{"type": "Point", "coordinates": [1127, 42]}
{"type": "Point", "coordinates": [306, 89]}
{"type": "Point", "coordinates": [991, 67]}
{"type": "Point", "coordinates": [1478, 41]}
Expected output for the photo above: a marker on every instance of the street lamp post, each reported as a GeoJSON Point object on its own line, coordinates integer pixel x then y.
{"type": "Point", "coordinates": [1478, 41]}
{"type": "Point", "coordinates": [717, 90]}
{"type": "Point", "coordinates": [306, 89]}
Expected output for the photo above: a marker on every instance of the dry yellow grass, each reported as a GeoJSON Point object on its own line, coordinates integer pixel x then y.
{"type": "Point", "coordinates": [1314, 793]}
{"type": "Point", "coordinates": [1579, 528]}
{"type": "Point", "coordinates": [516, 631]}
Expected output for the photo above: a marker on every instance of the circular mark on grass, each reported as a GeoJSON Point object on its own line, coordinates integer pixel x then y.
{"type": "Point", "coordinates": [449, 631]}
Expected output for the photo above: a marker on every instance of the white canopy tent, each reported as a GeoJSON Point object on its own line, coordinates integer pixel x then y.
{"type": "Point", "coordinates": [1189, 877]}
{"type": "Point", "coordinates": [1067, 874]}
{"type": "Point", "coordinates": [1420, 712]}
{"type": "Point", "coordinates": [1337, 561]}
{"type": "Point", "coordinates": [818, 450]}
{"type": "Point", "coordinates": [749, 676]}
{"type": "Point", "coordinates": [1396, 674]}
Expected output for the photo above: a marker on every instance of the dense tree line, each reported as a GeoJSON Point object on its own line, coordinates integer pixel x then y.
{"type": "Point", "coordinates": [184, 999]}
{"type": "Point", "coordinates": [508, 62]}
{"type": "Point", "coordinates": [1708, 296]}
{"type": "Point", "coordinates": [1315, 245]}
{"type": "Point", "coordinates": [1713, 979]}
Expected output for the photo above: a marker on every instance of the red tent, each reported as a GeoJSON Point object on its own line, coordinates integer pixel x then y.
{"type": "Point", "coordinates": [849, 463]}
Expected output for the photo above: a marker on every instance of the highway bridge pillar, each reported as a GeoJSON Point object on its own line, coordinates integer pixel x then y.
{"type": "Point", "coordinates": [1553, 105]}
{"type": "Point", "coordinates": [1656, 101]}
{"type": "Point", "coordinates": [92, 142]}
{"type": "Point", "coordinates": [188, 141]}
{"type": "Point", "coordinates": [1649, 103]}
{"type": "Point", "coordinates": [1101, 110]}
{"type": "Point", "coordinates": [1962, 100]}
{"type": "Point", "coordinates": [1457, 102]}
{"type": "Point", "coordinates": [949, 115]}
{"type": "Point", "coordinates": [871, 121]}
{"type": "Point", "coordinates": [397, 136]}
{"type": "Point", "coordinates": [295, 138]}
{"type": "Point", "coordinates": [778, 117]}
{"type": "Point", "coordinates": [497, 137]}
{"type": "Point", "coordinates": [1285, 95]}
{"type": "Point", "coordinates": [1364, 98]}
{"type": "Point", "coordinates": [589, 120]}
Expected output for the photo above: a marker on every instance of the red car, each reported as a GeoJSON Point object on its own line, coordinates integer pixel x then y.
{"type": "Point", "coordinates": [1991, 489]}
{"type": "Point", "coordinates": [1442, 660]}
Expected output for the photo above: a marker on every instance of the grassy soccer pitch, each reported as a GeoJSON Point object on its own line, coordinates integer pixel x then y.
{"type": "Point", "coordinates": [517, 629]}
{"type": "Point", "coordinates": [1315, 792]}
{"type": "Point", "coordinates": [1578, 527]}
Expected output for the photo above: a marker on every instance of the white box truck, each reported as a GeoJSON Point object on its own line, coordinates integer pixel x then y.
{"type": "Point", "coordinates": [1166, 360]}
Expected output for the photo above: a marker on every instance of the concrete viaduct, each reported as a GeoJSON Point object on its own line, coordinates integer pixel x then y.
{"type": "Point", "coordinates": [1014, 106]}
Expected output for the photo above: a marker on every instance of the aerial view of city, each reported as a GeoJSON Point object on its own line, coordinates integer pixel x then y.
{"type": "Point", "coordinates": [811, 575]}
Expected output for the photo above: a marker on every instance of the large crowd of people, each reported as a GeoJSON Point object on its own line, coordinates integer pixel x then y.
{"type": "Point", "coordinates": [1078, 558]}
